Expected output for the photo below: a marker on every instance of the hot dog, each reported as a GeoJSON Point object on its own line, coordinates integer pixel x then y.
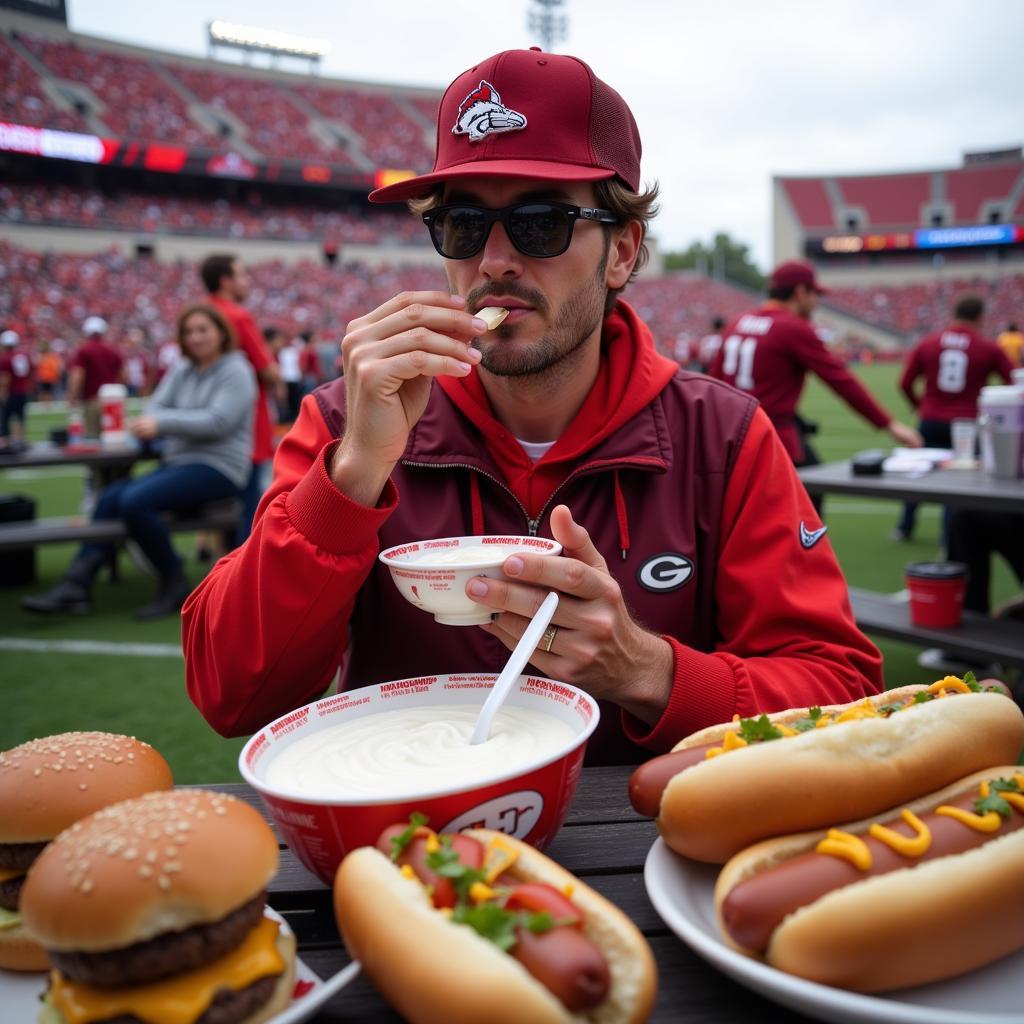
{"type": "Point", "coordinates": [731, 785]}
{"type": "Point", "coordinates": [896, 900]}
{"type": "Point", "coordinates": [479, 926]}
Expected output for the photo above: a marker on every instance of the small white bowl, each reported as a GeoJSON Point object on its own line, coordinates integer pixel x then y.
{"type": "Point", "coordinates": [432, 574]}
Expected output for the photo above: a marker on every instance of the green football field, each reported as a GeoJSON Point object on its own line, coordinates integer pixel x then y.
{"type": "Point", "coordinates": [100, 683]}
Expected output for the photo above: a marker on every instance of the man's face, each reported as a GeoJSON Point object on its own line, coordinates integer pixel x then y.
{"type": "Point", "coordinates": [807, 301]}
{"type": "Point", "coordinates": [239, 283]}
{"type": "Point", "coordinates": [554, 304]}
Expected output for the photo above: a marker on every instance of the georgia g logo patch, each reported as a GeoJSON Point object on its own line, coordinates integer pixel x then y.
{"type": "Point", "coordinates": [664, 572]}
{"type": "Point", "coordinates": [482, 113]}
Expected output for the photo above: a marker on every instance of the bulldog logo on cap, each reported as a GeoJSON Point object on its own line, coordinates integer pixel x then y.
{"type": "Point", "coordinates": [482, 113]}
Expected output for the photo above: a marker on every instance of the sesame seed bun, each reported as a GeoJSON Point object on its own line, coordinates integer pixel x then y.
{"type": "Point", "coordinates": [48, 784]}
{"type": "Point", "coordinates": [19, 953]}
{"type": "Point", "coordinates": [137, 869]}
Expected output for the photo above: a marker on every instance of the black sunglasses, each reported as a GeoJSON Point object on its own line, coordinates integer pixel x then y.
{"type": "Point", "coordinates": [537, 229]}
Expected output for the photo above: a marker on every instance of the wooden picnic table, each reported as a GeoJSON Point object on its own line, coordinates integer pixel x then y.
{"type": "Point", "coordinates": [605, 843]}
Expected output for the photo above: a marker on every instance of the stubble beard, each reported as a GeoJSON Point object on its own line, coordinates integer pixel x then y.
{"type": "Point", "coordinates": [574, 323]}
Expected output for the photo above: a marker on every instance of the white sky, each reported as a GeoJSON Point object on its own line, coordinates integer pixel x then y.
{"type": "Point", "coordinates": [726, 92]}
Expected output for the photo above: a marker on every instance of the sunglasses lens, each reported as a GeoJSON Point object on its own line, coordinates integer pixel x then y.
{"type": "Point", "coordinates": [459, 232]}
{"type": "Point", "coordinates": [539, 229]}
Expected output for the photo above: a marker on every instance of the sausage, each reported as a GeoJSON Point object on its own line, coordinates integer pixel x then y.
{"type": "Point", "coordinates": [567, 963]}
{"type": "Point", "coordinates": [648, 782]}
{"type": "Point", "coordinates": [755, 907]}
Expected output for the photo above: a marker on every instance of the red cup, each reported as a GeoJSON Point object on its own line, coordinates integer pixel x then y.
{"type": "Point", "coordinates": [936, 593]}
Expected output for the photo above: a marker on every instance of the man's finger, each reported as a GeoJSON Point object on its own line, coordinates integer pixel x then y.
{"type": "Point", "coordinates": [575, 540]}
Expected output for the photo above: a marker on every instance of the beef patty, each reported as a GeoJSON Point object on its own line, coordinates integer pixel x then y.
{"type": "Point", "coordinates": [160, 957]}
{"type": "Point", "coordinates": [227, 1007]}
{"type": "Point", "coordinates": [19, 856]}
{"type": "Point", "coordinates": [10, 892]}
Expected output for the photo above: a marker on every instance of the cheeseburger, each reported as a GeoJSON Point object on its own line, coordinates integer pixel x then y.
{"type": "Point", "coordinates": [47, 785]}
{"type": "Point", "coordinates": [152, 912]}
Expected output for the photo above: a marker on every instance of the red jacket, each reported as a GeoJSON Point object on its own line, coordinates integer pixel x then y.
{"type": "Point", "coordinates": [769, 353]}
{"type": "Point", "coordinates": [956, 364]}
{"type": "Point", "coordinates": [675, 464]}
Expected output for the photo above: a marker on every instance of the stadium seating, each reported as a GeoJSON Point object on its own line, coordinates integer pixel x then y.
{"type": "Point", "coordinates": [391, 137]}
{"type": "Point", "coordinates": [137, 102]}
{"type": "Point", "coordinates": [24, 99]}
{"type": "Point", "coordinates": [63, 205]}
{"type": "Point", "coordinates": [892, 200]}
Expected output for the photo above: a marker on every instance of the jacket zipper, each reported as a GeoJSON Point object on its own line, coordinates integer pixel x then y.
{"type": "Point", "coordinates": [532, 525]}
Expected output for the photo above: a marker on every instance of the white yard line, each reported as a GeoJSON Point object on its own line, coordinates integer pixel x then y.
{"type": "Point", "coordinates": [13, 643]}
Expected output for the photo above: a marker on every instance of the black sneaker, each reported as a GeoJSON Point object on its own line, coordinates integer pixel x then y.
{"type": "Point", "coordinates": [168, 601]}
{"type": "Point", "coordinates": [67, 596]}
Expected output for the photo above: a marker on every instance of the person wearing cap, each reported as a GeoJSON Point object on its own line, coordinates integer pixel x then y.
{"type": "Point", "coordinates": [955, 364]}
{"type": "Point", "coordinates": [686, 592]}
{"type": "Point", "coordinates": [769, 352]}
{"type": "Point", "coordinates": [16, 371]}
{"type": "Point", "coordinates": [95, 362]}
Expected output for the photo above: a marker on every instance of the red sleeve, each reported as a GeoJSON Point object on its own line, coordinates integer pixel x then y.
{"type": "Point", "coordinates": [251, 342]}
{"type": "Point", "coordinates": [810, 350]}
{"type": "Point", "coordinates": [911, 371]}
{"type": "Point", "coordinates": [789, 638]}
{"type": "Point", "coordinates": [265, 631]}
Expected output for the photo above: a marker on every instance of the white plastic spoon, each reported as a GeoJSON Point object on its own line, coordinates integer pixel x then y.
{"type": "Point", "coordinates": [510, 673]}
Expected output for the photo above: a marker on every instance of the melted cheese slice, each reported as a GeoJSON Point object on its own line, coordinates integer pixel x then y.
{"type": "Point", "coordinates": [181, 999]}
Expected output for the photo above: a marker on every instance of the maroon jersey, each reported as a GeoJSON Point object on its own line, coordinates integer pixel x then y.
{"type": "Point", "coordinates": [101, 364]}
{"type": "Point", "coordinates": [16, 365]}
{"type": "Point", "coordinates": [769, 353]}
{"type": "Point", "coordinates": [955, 364]}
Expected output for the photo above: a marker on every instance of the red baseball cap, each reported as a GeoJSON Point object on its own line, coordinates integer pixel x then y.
{"type": "Point", "coordinates": [529, 114]}
{"type": "Point", "coordinates": [792, 273]}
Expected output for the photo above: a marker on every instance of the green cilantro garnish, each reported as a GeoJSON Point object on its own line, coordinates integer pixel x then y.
{"type": "Point", "coordinates": [1004, 785]}
{"type": "Point", "coordinates": [971, 682]}
{"type": "Point", "coordinates": [923, 696]}
{"type": "Point", "coordinates": [992, 802]}
{"type": "Point", "coordinates": [542, 921]}
{"type": "Point", "coordinates": [498, 925]}
{"type": "Point", "coordinates": [810, 722]}
{"type": "Point", "coordinates": [445, 862]}
{"type": "Point", "coordinates": [400, 842]}
{"type": "Point", "coordinates": [757, 730]}
{"type": "Point", "coordinates": [889, 709]}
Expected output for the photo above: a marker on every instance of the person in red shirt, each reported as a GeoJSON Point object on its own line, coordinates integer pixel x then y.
{"type": "Point", "coordinates": [96, 362]}
{"type": "Point", "coordinates": [770, 351]}
{"type": "Point", "coordinates": [696, 580]}
{"type": "Point", "coordinates": [955, 363]}
{"type": "Point", "coordinates": [229, 285]}
{"type": "Point", "coordinates": [15, 386]}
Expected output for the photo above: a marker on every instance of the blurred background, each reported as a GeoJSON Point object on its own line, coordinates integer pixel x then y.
{"type": "Point", "coordinates": [880, 142]}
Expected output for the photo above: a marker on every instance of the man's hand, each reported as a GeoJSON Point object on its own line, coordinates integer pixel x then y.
{"type": "Point", "coordinates": [597, 646]}
{"type": "Point", "coordinates": [390, 356]}
{"type": "Point", "coordinates": [145, 428]}
{"type": "Point", "coordinates": [907, 436]}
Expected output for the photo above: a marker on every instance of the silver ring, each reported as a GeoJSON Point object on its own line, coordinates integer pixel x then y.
{"type": "Point", "coordinates": [548, 638]}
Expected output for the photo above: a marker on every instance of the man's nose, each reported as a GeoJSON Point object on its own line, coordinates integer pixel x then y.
{"type": "Point", "coordinates": [499, 257]}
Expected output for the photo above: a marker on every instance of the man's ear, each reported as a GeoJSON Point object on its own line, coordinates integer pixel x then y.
{"type": "Point", "coordinates": [623, 253]}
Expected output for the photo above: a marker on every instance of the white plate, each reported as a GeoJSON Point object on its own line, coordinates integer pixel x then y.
{"type": "Point", "coordinates": [19, 993]}
{"type": "Point", "coordinates": [682, 892]}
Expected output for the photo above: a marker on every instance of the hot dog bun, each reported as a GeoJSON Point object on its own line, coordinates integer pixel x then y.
{"type": "Point", "coordinates": [842, 772]}
{"type": "Point", "coordinates": [914, 925]}
{"type": "Point", "coordinates": [432, 970]}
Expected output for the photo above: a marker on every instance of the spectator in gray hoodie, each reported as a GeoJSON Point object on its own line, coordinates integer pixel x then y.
{"type": "Point", "coordinates": [202, 410]}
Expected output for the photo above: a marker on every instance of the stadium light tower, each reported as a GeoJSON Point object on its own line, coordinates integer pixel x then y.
{"type": "Point", "coordinates": [251, 39]}
{"type": "Point", "coordinates": [550, 25]}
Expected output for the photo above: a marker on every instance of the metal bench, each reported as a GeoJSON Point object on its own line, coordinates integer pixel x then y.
{"type": "Point", "coordinates": [979, 638]}
{"type": "Point", "coordinates": [219, 515]}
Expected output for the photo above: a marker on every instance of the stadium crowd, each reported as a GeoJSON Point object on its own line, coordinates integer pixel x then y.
{"type": "Point", "coordinates": [74, 206]}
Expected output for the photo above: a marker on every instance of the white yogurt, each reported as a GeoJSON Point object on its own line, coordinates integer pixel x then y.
{"type": "Point", "coordinates": [463, 556]}
{"type": "Point", "coordinates": [415, 752]}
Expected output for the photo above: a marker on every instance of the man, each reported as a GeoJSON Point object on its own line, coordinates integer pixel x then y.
{"type": "Point", "coordinates": [955, 363]}
{"type": "Point", "coordinates": [15, 386]}
{"type": "Point", "coordinates": [95, 362]}
{"type": "Point", "coordinates": [769, 352]}
{"type": "Point", "coordinates": [1011, 341]}
{"type": "Point", "coordinates": [229, 285]}
{"type": "Point", "coordinates": [709, 345]}
{"type": "Point", "coordinates": [695, 581]}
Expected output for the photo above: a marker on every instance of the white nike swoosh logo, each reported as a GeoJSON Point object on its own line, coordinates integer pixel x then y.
{"type": "Point", "coordinates": [811, 537]}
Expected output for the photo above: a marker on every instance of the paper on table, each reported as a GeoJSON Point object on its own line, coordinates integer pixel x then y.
{"type": "Point", "coordinates": [916, 460]}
